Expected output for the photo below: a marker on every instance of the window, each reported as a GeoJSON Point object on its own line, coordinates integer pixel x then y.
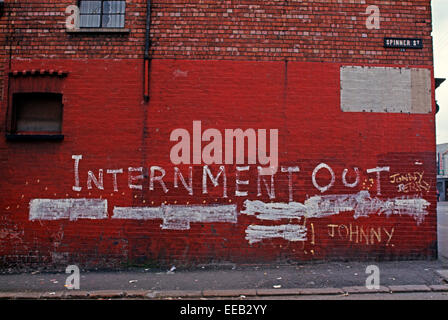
{"type": "Point", "coordinates": [102, 14]}
{"type": "Point", "coordinates": [37, 113]}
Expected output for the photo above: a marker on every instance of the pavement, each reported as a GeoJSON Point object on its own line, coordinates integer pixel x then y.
{"type": "Point", "coordinates": [420, 279]}
{"type": "Point", "coordinates": [312, 279]}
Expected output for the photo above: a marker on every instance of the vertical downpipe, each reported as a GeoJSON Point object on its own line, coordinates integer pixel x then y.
{"type": "Point", "coordinates": [146, 75]}
{"type": "Point", "coordinates": [5, 95]}
{"type": "Point", "coordinates": [146, 57]}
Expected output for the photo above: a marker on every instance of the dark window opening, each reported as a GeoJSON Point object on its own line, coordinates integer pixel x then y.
{"type": "Point", "coordinates": [102, 14]}
{"type": "Point", "coordinates": [37, 113]}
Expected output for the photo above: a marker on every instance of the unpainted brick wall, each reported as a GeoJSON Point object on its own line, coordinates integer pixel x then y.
{"type": "Point", "coordinates": [324, 31]}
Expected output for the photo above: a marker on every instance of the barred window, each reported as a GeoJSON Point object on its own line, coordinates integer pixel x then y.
{"type": "Point", "coordinates": [102, 14]}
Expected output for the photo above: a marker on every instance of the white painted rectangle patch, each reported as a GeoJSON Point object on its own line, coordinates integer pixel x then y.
{"type": "Point", "coordinates": [274, 211]}
{"type": "Point", "coordinates": [72, 209]}
{"type": "Point", "coordinates": [137, 213]}
{"type": "Point", "coordinates": [289, 232]}
{"type": "Point", "coordinates": [385, 89]}
{"type": "Point", "coordinates": [361, 203]}
{"type": "Point", "coordinates": [178, 217]}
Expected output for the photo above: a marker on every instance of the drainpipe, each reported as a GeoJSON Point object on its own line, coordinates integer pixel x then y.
{"type": "Point", "coordinates": [438, 82]}
{"type": "Point", "coordinates": [146, 57]}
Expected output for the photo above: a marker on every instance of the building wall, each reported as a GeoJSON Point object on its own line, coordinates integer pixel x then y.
{"type": "Point", "coordinates": [442, 172]}
{"type": "Point", "coordinates": [442, 188]}
{"type": "Point", "coordinates": [3, 52]}
{"type": "Point", "coordinates": [442, 158]}
{"type": "Point", "coordinates": [276, 65]}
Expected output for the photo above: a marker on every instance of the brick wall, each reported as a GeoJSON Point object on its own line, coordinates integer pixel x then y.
{"type": "Point", "coordinates": [331, 31]}
{"type": "Point", "coordinates": [3, 52]}
{"type": "Point", "coordinates": [236, 64]}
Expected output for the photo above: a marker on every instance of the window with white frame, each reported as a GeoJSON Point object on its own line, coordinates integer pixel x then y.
{"type": "Point", "coordinates": [102, 14]}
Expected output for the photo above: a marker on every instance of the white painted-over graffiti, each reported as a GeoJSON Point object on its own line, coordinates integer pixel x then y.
{"type": "Point", "coordinates": [179, 217]}
{"type": "Point", "coordinates": [137, 213]}
{"type": "Point", "coordinates": [72, 209]}
{"type": "Point", "coordinates": [274, 211]}
{"type": "Point", "coordinates": [361, 203]}
{"type": "Point", "coordinates": [289, 232]}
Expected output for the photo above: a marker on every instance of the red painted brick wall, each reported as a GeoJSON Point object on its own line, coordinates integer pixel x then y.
{"type": "Point", "coordinates": [233, 65]}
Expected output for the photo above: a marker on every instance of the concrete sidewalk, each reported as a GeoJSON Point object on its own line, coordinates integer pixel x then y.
{"type": "Point", "coordinates": [248, 281]}
{"type": "Point", "coordinates": [232, 282]}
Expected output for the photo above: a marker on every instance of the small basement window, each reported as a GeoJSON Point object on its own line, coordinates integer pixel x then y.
{"type": "Point", "coordinates": [37, 114]}
{"type": "Point", "coordinates": [102, 14]}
